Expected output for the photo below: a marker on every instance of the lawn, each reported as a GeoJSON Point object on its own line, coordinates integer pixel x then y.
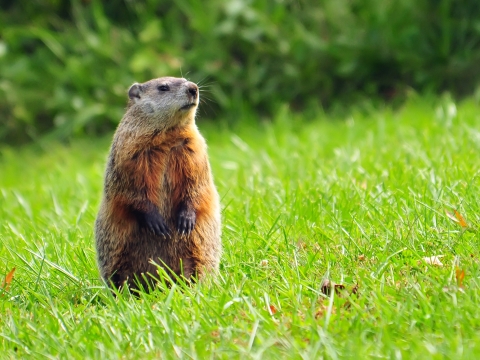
{"type": "Point", "coordinates": [364, 202]}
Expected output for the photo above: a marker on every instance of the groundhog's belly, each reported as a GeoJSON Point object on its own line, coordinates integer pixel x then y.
{"type": "Point", "coordinates": [145, 251]}
{"type": "Point", "coordinates": [180, 255]}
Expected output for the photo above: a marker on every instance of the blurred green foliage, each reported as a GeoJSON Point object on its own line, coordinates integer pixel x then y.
{"type": "Point", "coordinates": [66, 64]}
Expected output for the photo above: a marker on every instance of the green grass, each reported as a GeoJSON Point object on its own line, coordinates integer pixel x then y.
{"type": "Point", "coordinates": [358, 201]}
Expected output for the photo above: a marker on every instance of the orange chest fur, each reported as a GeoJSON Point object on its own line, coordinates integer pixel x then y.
{"type": "Point", "coordinates": [169, 164]}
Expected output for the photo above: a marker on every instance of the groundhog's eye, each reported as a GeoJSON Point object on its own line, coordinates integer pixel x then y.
{"type": "Point", "coordinates": [163, 88]}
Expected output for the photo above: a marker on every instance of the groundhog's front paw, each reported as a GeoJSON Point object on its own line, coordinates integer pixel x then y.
{"type": "Point", "coordinates": [186, 221]}
{"type": "Point", "coordinates": [155, 223]}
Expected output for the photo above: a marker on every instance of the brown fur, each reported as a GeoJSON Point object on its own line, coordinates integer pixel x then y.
{"type": "Point", "coordinates": [158, 176]}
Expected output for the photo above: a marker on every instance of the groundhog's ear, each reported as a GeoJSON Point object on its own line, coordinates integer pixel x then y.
{"type": "Point", "coordinates": [135, 91]}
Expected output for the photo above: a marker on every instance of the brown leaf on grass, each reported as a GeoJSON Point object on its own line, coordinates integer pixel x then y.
{"type": "Point", "coordinates": [460, 275]}
{"type": "Point", "coordinates": [461, 219]}
{"type": "Point", "coordinates": [8, 279]}
{"type": "Point", "coordinates": [458, 218]}
{"type": "Point", "coordinates": [361, 257]}
{"type": "Point", "coordinates": [433, 260]}
{"type": "Point", "coordinates": [327, 286]}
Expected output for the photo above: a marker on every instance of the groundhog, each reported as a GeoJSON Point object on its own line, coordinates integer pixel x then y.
{"type": "Point", "coordinates": [160, 204]}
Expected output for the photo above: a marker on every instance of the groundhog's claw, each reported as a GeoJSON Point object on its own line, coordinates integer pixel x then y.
{"type": "Point", "coordinates": [155, 223]}
{"type": "Point", "coordinates": [186, 221]}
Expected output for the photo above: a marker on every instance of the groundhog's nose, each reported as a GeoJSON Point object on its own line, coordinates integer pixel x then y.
{"type": "Point", "coordinates": [192, 89]}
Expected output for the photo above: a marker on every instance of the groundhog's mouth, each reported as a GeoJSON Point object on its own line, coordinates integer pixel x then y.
{"type": "Point", "coordinates": [188, 106]}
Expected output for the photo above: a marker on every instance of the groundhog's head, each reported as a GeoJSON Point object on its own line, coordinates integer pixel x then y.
{"type": "Point", "coordinates": [168, 100]}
